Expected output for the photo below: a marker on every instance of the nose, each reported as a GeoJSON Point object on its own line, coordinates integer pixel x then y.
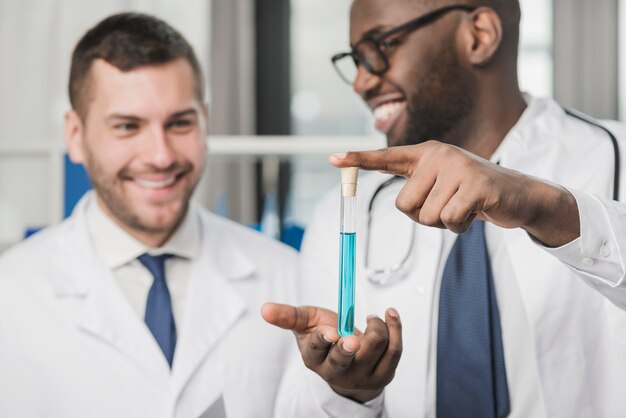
{"type": "Point", "coordinates": [159, 149]}
{"type": "Point", "coordinates": [365, 82]}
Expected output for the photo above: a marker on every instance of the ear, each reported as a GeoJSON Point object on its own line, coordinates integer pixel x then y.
{"type": "Point", "coordinates": [205, 113]}
{"type": "Point", "coordinates": [74, 132]}
{"type": "Point", "coordinates": [483, 35]}
{"type": "Point", "coordinates": [206, 121]}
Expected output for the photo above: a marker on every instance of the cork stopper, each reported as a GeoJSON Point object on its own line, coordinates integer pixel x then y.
{"type": "Point", "coordinates": [349, 177]}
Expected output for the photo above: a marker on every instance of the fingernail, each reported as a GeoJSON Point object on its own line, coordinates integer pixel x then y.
{"type": "Point", "coordinates": [347, 351]}
{"type": "Point", "coordinates": [370, 317]}
{"type": "Point", "coordinates": [325, 338]}
{"type": "Point", "coordinates": [340, 155]}
{"type": "Point", "coordinates": [393, 313]}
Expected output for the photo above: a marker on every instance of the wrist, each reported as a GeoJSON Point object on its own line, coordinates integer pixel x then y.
{"type": "Point", "coordinates": [555, 220]}
{"type": "Point", "coordinates": [358, 395]}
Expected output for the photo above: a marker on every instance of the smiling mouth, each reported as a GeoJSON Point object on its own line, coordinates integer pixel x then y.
{"type": "Point", "coordinates": [157, 184]}
{"type": "Point", "coordinates": [158, 181]}
{"type": "Point", "coordinates": [386, 114]}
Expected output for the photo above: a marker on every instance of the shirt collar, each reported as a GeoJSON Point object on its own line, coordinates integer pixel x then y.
{"type": "Point", "coordinates": [115, 247]}
{"type": "Point", "coordinates": [517, 138]}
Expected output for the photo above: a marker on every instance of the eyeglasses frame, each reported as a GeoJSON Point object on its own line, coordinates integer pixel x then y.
{"type": "Point", "coordinates": [378, 38]}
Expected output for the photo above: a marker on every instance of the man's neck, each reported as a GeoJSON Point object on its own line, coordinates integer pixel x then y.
{"type": "Point", "coordinates": [491, 119]}
{"type": "Point", "coordinates": [151, 239]}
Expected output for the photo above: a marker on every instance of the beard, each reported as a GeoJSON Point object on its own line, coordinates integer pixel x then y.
{"type": "Point", "coordinates": [445, 99]}
{"type": "Point", "coordinates": [122, 208]}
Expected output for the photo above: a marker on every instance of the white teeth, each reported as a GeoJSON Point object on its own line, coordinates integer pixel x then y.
{"type": "Point", "coordinates": [151, 184]}
{"type": "Point", "coordinates": [385, 110]}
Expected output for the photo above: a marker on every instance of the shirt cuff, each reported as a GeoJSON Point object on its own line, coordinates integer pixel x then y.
{"type": "Point", "coordinates": [595, 254]}
{"type": "Point", "coordinates": [339, 406]}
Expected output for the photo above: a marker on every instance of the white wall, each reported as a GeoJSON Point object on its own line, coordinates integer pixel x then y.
{"type": "Point", "coordinates": [36, 41]}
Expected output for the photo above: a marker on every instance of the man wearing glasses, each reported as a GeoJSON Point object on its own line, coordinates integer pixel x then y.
{"type": "Point", "coordinates": [495, 319]}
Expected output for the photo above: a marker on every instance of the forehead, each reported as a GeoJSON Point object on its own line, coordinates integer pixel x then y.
{"type": "Point", "coordinates": [143, 88]}
{"type": "Point", "coordinates": [378, 15]}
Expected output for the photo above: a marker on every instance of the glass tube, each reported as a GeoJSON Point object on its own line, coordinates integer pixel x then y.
{"type": "Point", "coordinates": [347, 240]}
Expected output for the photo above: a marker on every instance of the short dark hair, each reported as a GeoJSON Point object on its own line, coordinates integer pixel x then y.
{"type": "Point", "coordinates": [508, 11]}
{"type": "Point", "coordinates": [128, 41]}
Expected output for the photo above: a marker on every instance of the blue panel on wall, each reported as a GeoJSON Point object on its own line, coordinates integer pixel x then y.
{"type": "Point", "coordinates": [292, 235]}
{"type": "Point", "coordinates": [76, 185]}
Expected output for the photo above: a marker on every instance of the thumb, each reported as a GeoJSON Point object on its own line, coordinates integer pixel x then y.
{"type": "Point", "coordinates": [293, 318]}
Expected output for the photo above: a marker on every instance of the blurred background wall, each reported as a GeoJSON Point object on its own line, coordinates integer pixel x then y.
{"type": "Point", "coordinates": [269, 73]}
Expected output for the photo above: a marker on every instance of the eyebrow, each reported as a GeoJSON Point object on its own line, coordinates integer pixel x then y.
{"type": "Point", "coordinates": [372, 32]}
{"type": "Point", "coordinates": [134, 118]}
{"type": "Point", "coordinates": [377, 29]}
{"type": "Point", "coordinates": [115, 116]}
{"type": "Point", "coordinates": [185, 112]}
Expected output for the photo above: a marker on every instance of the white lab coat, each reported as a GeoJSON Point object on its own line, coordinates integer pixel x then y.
{"type": "Point", "coordinates": [71, 345]}
{"type": "Point", "coordinates": [569, 353]}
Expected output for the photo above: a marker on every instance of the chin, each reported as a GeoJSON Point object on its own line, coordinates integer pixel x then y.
{"type": "Point", "coordinates": [400, 135]}
{"type": "Point", "coordinates": [391, 142]}
{"type": "Point", "coordinates": [156, 227]}
{"type": "Point", "coordinates": [160, 219]}
{"type": "Point", "coordinates": [397, 141]}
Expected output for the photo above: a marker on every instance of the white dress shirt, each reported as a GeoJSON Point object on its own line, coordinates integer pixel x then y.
{"type": "Point", "coordinates": [119, 251]}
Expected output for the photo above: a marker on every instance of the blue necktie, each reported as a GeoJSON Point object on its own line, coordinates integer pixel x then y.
{"type": "Point", "coordinates": [159, 317]}
{"type": "Point", "coordinates": [471, 375]}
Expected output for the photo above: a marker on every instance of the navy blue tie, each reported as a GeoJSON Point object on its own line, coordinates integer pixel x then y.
{"type": "Point", "coordinates": [471, 375]}
{"type": "Point", "coordinates": [159, 316]}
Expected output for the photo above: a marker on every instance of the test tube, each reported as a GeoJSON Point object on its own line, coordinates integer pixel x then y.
{"type": "Point", "coordinates": [347, 242]}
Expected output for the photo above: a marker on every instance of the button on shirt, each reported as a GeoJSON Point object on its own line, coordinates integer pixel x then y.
{"type": "Point", "coordinates": [118, 251]}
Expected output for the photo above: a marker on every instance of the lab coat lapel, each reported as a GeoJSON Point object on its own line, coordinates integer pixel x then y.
{"type": "Point", "coordinates": [213, 304]}
{"type": "Point", "coordinates": [427, 266]}
{"type": "Point", "coordinates": [106, 314]}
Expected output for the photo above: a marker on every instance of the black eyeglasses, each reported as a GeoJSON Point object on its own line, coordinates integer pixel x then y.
{"type": "Point", "coordinates": [371, 50]}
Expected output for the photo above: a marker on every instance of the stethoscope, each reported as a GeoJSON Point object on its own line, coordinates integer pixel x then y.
{"type": "Point", "coordinates": [392, 273]}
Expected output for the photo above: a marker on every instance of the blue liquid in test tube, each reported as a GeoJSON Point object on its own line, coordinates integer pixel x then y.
{"type": "Point", "coordinates": [347, 243]}
{"type": "Point", "coordinates": [346, 283]}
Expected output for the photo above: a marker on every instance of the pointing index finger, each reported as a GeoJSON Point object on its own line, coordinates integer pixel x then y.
{"type": "Point", "coordinates": [398, 160]}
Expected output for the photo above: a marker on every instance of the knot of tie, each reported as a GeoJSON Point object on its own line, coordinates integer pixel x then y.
{"type": "Point", "coordinates": [155, 264]}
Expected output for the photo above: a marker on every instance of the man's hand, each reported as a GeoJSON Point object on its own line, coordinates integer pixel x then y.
{"type": "Point", "coordinates": [449, 187]}
{"type": "Point", "coordinates": [356, 366]}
